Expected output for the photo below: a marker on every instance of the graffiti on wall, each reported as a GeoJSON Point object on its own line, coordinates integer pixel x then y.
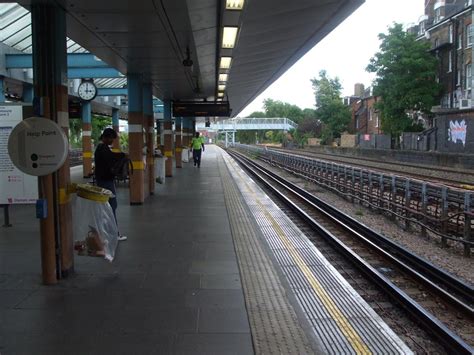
{"type": "Point", "coordinates": [457, 132]}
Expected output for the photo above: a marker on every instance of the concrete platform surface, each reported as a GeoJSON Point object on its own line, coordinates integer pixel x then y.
{"type": "Point", "coordinates": [174, 287]}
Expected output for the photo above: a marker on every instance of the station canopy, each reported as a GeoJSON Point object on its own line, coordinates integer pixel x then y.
{"type": "Point", "coordinates": [190, 49]}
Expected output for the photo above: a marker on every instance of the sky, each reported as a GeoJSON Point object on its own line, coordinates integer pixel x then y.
{"type": "Point", "coordinates": [344, 53]}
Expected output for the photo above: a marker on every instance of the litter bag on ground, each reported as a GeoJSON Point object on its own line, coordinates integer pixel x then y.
{"type": "Point", "coordinates": [95, 229]}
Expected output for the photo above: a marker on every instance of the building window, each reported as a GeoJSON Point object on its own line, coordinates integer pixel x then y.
{"type": "Point", "coordinates": [357, 122]}
{"type": "Point", "coordinates": [437, 15]}
{"type": "Point", "coordinates": [469, 35]}
{"type": "Point", "coordinates": [377, 121]}
{"type": "Point", "coordinates": [460, 41]}
{"type": "Point", "coordinates": [450, 62]}
{"type": "Point", "coordinates": [468, 3]}
{"type": "Point", "coordinates": [450, 33]}
{"type": "Point", "coordinates": [436, 43]}
{"type": "Point", "coordinates": [370, 114]}
{"type": "Point", "coordinates": [422, 28]}
{"type": "Point", "coordinates": [458, 78]}
{"type": "Point", "coordinates": [468, 76]}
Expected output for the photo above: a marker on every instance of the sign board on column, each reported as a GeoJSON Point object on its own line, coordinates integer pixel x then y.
{"type": "Point", "coordinates": [15, 186]}
{"type": "Point", "coordinates": [38, 146]}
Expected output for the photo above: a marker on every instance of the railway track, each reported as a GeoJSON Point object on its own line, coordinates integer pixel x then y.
{"type": "Point", "coordinates": [440, 303]}
{"type": "Point", "coordinates": [425, 172]}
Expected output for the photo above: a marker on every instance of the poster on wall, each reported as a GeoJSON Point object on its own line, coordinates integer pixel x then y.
{"type": "Point", "coordinates": [15, 186]}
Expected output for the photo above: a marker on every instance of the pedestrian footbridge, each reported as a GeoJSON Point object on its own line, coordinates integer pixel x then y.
{"type": "Point", "coordinates": [250, 124]}
{"type": "Point", "coordinates": [229, 127]}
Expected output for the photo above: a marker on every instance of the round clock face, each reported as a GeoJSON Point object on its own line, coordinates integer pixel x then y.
{"type": "Point", "coordinates": [87, 91]}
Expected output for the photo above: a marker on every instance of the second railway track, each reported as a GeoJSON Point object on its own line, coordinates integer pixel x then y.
{"type": "Point", "coordinates": [433, 297]}
{"type": "Point", "coordinates": [456, 178]}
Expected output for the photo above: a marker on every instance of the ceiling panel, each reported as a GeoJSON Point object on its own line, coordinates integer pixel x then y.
{"type": "Point", "coordinates": [152, 37]}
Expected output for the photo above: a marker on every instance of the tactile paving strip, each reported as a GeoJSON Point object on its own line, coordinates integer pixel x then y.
{"type": "Point", "coordinates": [273, 321]}
{"type": "Point", "coordinates": [341, 319]}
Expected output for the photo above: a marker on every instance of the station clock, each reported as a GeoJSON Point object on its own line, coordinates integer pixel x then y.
{"type": "Point", "coordinates": [87, 90]}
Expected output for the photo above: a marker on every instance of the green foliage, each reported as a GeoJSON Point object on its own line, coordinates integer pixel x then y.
{"type": "Point", "coordinates": [123, 141]}
{"type": "Point", "coordinates": [405, 79]}
{"type": "Point", "coordinates": [282, 109]}
{"type": "Point", "coordinates": [330, 109]}
{"type": "Point", "coordinates": [258, 114]}
{"type": "Point", "coordinates": [99, 123]}
{"type": "Point", "coordinates": [75, 128]}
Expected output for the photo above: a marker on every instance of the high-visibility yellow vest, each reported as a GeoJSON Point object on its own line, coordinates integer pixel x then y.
{"type": "Point", "coordinates": [196, 143]}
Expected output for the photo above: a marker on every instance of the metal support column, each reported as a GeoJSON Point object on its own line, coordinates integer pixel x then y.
{"type": "Point", "coordinates": [179, 142]}
{"type": "Point", "coordinates": [2, 89]}
{"type": "Point", "coordinates": [135, 138]}
{"type": "Point", "coordinates": [86, 139]}
{"type": "Point", "coordinates": [168, 138]}
{"type": "Point", "coordinates": [28, 93]}
{"type": "Point", "coordinates": [116, 127]}
{"type": "Point", "coordinates": [150, 141]}
{"type": "Point", "coordinates": [51, 91]}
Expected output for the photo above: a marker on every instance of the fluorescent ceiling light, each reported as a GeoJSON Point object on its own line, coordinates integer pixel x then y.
{"type": "Point", "coordinates": [220, 94]}
{"type": "Point", "coordinates": [229, 36]}
{"type": "Point", "coordinates": [225, 62]}
{"type": "Point", "coordinates": [223, 77]}
{"type": "Point", "coordinates": [219, 99]}
{"type": "Point", "coordinates": [221, 88]}
{"type": "Point", "coordinates": [234, 4]}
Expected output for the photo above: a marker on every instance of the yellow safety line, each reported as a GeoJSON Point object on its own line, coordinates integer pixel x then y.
{"type": "Point", "coordinates": [346, 328]}
{"type": "Point", "coordinates": [168, 153]}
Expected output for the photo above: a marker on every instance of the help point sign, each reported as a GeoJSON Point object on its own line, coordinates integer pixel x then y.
{"type": "Point", "coordinates": [38, 146]}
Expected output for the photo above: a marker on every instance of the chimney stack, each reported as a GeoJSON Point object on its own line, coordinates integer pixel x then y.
{"type": "Point", "coordinates": [359, 90]}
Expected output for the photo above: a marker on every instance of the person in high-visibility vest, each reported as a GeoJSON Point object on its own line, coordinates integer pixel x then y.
{"type": "Point", "coordinates": [197, 145]}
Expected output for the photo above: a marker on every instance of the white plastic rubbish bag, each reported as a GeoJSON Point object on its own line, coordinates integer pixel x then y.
{"type": "Point", "coordinates": [95, 229]}
{"type": "Point", "coordinates": [160, 169]}
{"type": "Point", "coordinates": [185, 155]}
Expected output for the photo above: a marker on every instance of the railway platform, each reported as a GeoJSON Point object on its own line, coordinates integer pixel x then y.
{"type": "Point", "coordinates": [211, 266]}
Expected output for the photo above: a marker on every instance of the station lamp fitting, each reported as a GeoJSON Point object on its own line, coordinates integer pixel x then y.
{"type": "Point", "coordinates": [221, 87]}
{"type": "Point", "coordinates": [229, 37]}
{"type": "Point", "coordinates": [225, 62]}
{"type": "Point", "coordinates": [220, 94]}
{"type": "Point", "coordinates": [234, 4]}
{"type": "Point", "coordinates": [223, 78]}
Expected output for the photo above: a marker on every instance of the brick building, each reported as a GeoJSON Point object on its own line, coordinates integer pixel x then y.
{"type": "Point", "coordinates": [447, 25]}
{"type": "Point", "coordinates": [365, 118]}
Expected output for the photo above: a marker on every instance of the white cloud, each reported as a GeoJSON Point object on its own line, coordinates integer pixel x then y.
{"type": "Point", "coordinates": [345, 53]}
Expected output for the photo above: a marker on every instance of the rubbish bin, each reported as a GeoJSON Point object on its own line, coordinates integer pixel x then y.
{"type": "Point", "coordinates": [94, 226]}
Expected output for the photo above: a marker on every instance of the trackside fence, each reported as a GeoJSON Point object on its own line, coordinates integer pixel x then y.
{"type": "Point", "coordinates": [439, 210]}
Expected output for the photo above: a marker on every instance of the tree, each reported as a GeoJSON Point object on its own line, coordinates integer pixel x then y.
{"type": "Point", "coordinates": [405, 79]}
{"type": "Point", "coordinates": [330, 108]}
{"type": "Point", "coordinates": [257, 114]}
{"type": "Point", "coordinates": [275, 108]}
{"type": "Point", "coordinates": [99, 123]}
{"type": "Point", "coordinates": [75, 128]}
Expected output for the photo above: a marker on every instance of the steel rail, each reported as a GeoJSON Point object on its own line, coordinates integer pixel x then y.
{"type": "Point", "coordinates": [424, 266]}
{"type": "Point", "coordinates": [448, 338]}
{"type": "Point", "coordinates": [425, 271]}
